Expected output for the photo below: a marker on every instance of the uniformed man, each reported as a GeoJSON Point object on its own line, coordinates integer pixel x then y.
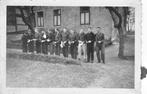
{"type": "Point", "coordinates": [49, 40]}
{"type": "Point", "coordinates": [38, 41]}
{"type": "Point", "coordinates": [24, 42]}
{"type": "Point", "coordinates": [51, 43]}
{"type": "Point", "coordinates": [90, 38]}
{"type": "Point", "coordinates": [57, 41]}
{"type": "Point", "coordinates": [73, 43]}
{"type": "Point", "coordinates": [82, 45]}
{"type": "Point", "coordinates": [100, 46]}
{"type": "Point", "coordinates": [44, 43]}
{"type": "Point", "coordinates": [30, 42]}
{"type": "Point", "coordinates": [64, 43]}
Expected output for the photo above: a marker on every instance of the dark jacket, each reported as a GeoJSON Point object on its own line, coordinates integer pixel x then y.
{"type": "Point", "coordinates": [90, 37]}
{"type": "Point", "coordinates": [99, 37]}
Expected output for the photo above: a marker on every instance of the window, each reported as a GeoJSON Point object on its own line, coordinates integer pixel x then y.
{"type": "Point", "coordinates": [19, 21]}
{"type": "Point", "coordinates": [84, 15]}
{"type": "Point", "coordinates": [40, 20]}
{"type": "Point", "coordinates": [57, 17]}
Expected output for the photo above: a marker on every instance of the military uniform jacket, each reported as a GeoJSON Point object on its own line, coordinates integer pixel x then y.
{"type": "Point", "coordinates": [24, 38]}
{"type": "Point", "coordinates": [65, 36]}
{"type": "Point", "coordinates": [82, 37]}
{"type": "Point", "coordinates": [44, 37]}
{"type": "Point", "coordinates": [30, 37]}
{"type": "Point", "coordinates": [90, 37]}
{"type": "Point", "coordinates": [73, 38]}
{"type": "Point", "coordinates": [58, 37]}
{"type": "Point", "coordinates": [99, 38]}
{"type": "Point", "coordinates": [38, 36]}
{"type": "Point", "coordinates": [51, 36]}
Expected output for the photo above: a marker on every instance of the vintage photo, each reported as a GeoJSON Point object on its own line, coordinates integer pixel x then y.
{"type": "Point", "coordinates": [70, 47]}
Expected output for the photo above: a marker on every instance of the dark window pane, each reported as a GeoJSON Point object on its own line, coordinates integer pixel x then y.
{"type": "Point", "coordinates": [57, 17]}
{"type": "Point", "coordinates": [84, 9]}
{"type": "Point", "coordinates": [40, 14]}
{"type": "Point", "coordinates": [57, 12]}
{"type": "Point", "coordinates": [40, 18]}
{"type": "Point", "coordinates": [85, 15]}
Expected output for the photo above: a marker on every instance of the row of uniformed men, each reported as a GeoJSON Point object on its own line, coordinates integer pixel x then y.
{"type": "Point", "coordinates": [79, 45]}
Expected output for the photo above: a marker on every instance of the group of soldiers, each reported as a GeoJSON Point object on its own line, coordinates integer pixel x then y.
{"type": "Point", "coordinates": [79, 45]}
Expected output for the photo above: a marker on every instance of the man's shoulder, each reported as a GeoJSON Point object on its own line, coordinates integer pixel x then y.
{"type": "Point", "coordinates": [102, 34]}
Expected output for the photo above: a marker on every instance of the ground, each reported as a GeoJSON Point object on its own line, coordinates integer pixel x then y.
{"type": "Point", "coordinates": [116, 73]}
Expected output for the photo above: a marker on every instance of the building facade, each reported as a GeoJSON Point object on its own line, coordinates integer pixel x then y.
{"type": "Point", "coordinates": [74, 18]}
{"type": "Point", "coordinates": [14, 20]}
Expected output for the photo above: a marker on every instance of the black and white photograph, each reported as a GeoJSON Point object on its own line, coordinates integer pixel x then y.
{"type": "Point", "coordinates": [71, 46]}
{"type": "Point", "coordinates": [81, 46]}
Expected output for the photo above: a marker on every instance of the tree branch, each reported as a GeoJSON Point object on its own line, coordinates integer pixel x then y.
{"type": "Point", "coordinates": [112, 9]}
{"type": "Point", "coordinates": [24, 19]}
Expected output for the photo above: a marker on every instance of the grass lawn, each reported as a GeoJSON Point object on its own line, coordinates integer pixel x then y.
{"type": "Point", "coordinates": [116, 73]}
{"type": "Point", "coordinates": [27, 73]}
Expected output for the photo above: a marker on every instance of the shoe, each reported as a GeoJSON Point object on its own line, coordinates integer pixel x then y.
{"type": "Point", "coordinates": [103, 61]}
{"type": "Point", "coordinates": [99, 61]}
{"type": "Point", "coordinates": [87, 62]}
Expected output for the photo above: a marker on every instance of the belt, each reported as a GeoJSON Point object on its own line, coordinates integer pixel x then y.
{"type": "Point", "coordinates": [71, 42]}
{"type": "Point", "coordinates": [99, 42]}
{"type": "Point", "coordinates": [89, 41]}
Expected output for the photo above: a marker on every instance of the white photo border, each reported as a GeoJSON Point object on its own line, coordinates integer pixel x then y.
{"type": "Point", "coordinates": [121, 3]}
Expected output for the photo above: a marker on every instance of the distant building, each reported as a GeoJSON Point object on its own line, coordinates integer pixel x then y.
{"type": "Point", "coordinates": [131, 20]}
{"type": "Point", "coordinates": [14, 20]}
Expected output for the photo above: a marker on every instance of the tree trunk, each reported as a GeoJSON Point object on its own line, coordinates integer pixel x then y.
{"type": "Point", "coordinates": [121, 43]}
{"type": "Point", "coordinates": [27, 20]}
{"type": "Point", "coordinates": [119, 19]}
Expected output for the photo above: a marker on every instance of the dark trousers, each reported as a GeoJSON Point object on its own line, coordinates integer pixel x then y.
{"type": "Point", "coordinates": [65, 50]}
{"type": "Point", "coordinates": [57, 49]}
{"type": "Point", "coordinates": [100, 51]}
{"type": "Point", "coordinates": [31, 46]}
{"type": "Point", "coordinates": [73, 51]}
{"type": "Point", "coordinates": [51, 48]}
{"type": "Point", "coordinates": [44, 48]}
{"type": "Point", "coordinates": [24, 46]}
{"type": "Point", "coordinates": [90, 52]}
{"type": "Point", "coordinates": [38, 46]}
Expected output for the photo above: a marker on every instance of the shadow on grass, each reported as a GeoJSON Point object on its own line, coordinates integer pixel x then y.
{"type": "Point", "coordinates": [43, 58]}
{"type": "Point", "coordinates": [128, 58]}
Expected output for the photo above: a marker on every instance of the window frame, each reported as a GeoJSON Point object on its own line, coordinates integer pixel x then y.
{"type": "Point", "coordinates": [84, 12]}
{"type": "Point", "coordinates": [41, 25]}
{"type": "Point", "coordinates": [56, 15]}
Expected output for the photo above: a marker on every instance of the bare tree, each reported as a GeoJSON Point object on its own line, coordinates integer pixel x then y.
{"type": "Point", "coordinates": [119, 16]}
{"type": "Point", "coordinates": [28, 16]}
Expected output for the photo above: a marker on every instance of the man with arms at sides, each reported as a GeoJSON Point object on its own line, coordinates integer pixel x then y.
{"type": "Point", "coordinates": [57, 41]}
{"type": "Point", "coordinates": [73, 43]}
{"type": "Point", "coordinates": [64, 43]}
{"type": "Point", "coordinates": [82, 45]}
{"type": "Point", "coordinates": [100, 45]}
{"type": "Point", "coordinates": [90, 39]}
